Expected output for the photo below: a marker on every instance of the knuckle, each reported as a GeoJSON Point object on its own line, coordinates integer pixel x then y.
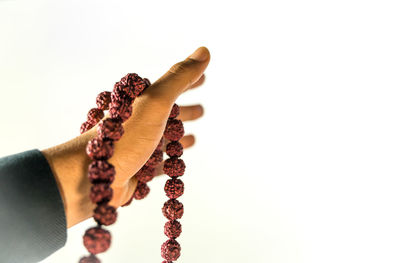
{"type": "Point", "coordinates": [182, 67]}
{"type": "Point", "coordinates": [178, 68]}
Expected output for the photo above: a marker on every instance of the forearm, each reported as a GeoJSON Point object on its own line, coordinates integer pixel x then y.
{"type": "Point", "coordinates": [69, 164]}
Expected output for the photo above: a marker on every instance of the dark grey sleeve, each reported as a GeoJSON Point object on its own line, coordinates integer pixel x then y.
{"type": "Point", "coordinates": [32, 216]}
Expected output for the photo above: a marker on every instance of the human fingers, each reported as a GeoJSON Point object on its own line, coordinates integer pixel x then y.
{"type": "Point", "coordinates": [187, 141]}
{"type": "Point", "coordinates": [189, 113]}
{"type": "Point", "coordinates": [198, 83]}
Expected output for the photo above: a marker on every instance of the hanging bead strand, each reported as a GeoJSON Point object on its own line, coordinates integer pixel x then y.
{"type": "Point", "coordinates": [173, 167]}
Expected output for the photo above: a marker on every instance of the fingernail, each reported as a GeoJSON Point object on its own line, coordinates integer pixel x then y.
{"type": "Point", "coordinates": [201, 54]}
{"type": "Point", "coordinates": [201, 109]}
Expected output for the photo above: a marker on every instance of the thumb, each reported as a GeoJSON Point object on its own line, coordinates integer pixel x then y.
{"type": "Point", "coordinates": [180, 76]}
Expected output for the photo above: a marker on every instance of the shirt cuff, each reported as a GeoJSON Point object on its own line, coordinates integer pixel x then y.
{"type": "Point", "coordinates": [32, 216]}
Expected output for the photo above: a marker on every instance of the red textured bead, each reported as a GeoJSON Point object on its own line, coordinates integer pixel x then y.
{"type": "Point", "coordinates": [121, 110]}
{"type": "Point", "coordinates": [126, 114]}
{"type": "Point", "coordinates": [103, 100]}
{"type": "Point", "coordinates": [155, 159]}
{"type": "Point", "coordinates": [160, 144]}
{"type": "Point", "coordinates": [174, 188]}
{"type": "Point", "coordinates": [133, 80]}
{"type": "Point", "coordinates": [86, 126]}
{"type": "Point", "coordinates": [105, 214]}
{"type": "Point", "coordinates": [172, 229]}
{"type": "Point", "coordinates": [97, 240]}
{"type": "Point", "coordinates": [174, 149]}
{"type": "Point", "coordinates": [95, 115]}
{"type": "Point", "coordinates": [170, 249]}
{"type": "Point", "coordinates": [167, 261]}
{"type": "Point", "coordinates": [174, 111]}
{"type": "Point", "coordinates": [110, 128]}
{"type": "Point", "coordinates": [140, 87]}
{"type": "Point", "coordinates": [99, 149]}
{"type": "Point", "coordinates": [174, 166]}
{"type": "Point", "coordinates": [101, 193]}
{"type": "Point", "coordinates": [119, 101]}
{"type": "Point", "coordinates": [119, 106]}
{"type": "Point", "coordinates": [123, 91]}
{"type": "Point", "coordinates": [129, 79]}
{"type": "Point", "coordinates": [90, 259]}
{"type": "Point", "coordinates": [141, 191]}
{"type": "Point", "coordinates": [145, 174]}
{"type": "Point", "coordinates": [101, 171]}
{"type": "Point", "coordinates": [172, 209]}
{"type": "Point", "coordinates": [174, 130]}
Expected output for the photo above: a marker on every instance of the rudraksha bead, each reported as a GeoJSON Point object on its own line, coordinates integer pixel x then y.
{"type": "Point", "coordinates": [129, 79]}
{"type": "Point", "coordinates": [126, 114]}
{"type": "Point", "coordinates": [174, 166]}
{"type": "Point", "coordinates": [110, 128]}
{"type": "Point", "coordinates": [103, 100]}
{"type": "Point", "coordinates": [172, 209]}
{"type": "Point", "coordinates": [167, 261]}
{"type": "Point", "coordinates": [145, 174]}
{"type": "Point", "coordinates": [99, 149]}
{"type": "Point", "coordinates": [170, 249]}
{"type": "Point", "coordinates": [105, 214]}
{"type": "Point", "coordinates": [122, 91]}
{"type": "Point", "coordinates": [174, 130]}
{"type": "Point", "coordinates": [174, 111]}
{"type": "Point", "coordinates": [140, 87]}
{"type": "Point", "coordinates": [97, 240]}
{"type": "Point", "coordinates": [101, 171]}
{"type": "Point", "coordinates": [155, 159]}
{"type": "Point", "coordinates": [141, 191]}
{"type": "Point", "coordinates": [174, 188]}
{"type": "Point", "coordinates": [95, 115]}
{"type": "Point", "coordinates": [119, 102]}
{"type": "Point", "coordinates": [133, 80]}
{"type": "Point", "coordinates": [120, 109]}
{"type": "Point", "coordinates": [90, 259]}
{"type": "Point", "coordinates": [101, 193]}
{"type": "Point", "coordinates": [86, 126]}
{"type": "Point", "coordinates": [174, 149]}
{"type": "Point", "coordinates": [172, 229]}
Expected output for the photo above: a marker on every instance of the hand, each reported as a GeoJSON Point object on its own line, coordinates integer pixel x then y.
{"type": "Point", "coordinates": [143, 131]}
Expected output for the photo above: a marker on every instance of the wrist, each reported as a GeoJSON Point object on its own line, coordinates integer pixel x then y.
{"type": "Point", "coordinates": [69, 163]}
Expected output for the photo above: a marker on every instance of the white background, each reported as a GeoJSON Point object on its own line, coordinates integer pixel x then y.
{"type": "Point", "coordinates": [297, 154]}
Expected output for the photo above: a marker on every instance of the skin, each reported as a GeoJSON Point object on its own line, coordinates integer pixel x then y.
{"type": "Point", "coordinates": [143, 131]}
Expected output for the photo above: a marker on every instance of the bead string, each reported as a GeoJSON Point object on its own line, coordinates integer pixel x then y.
{"type": "Point", "coordinates": [101, 173]}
